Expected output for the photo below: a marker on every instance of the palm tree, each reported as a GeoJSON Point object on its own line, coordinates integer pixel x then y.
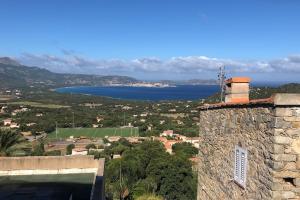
{"type": "Point", "coordinates": [8, 141]}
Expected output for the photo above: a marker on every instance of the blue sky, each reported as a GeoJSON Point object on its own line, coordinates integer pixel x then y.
{"type": "Point", "coordinates": [155, 39]}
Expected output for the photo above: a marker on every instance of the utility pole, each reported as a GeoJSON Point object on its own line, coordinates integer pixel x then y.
{"type": "Point", "coordinates": [73, 120]}
{"type": "Point", "coordinates": [121, 188]}
{"type": "Point", "coordinates": [56, 129]}
{"type": "Point", "coordinates": [124, 118]}
{"type": "Point", "coordinates": [221, 79]}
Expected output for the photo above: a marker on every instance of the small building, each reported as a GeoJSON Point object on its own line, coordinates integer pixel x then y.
{"type": "Point", "coordinates": [144, 114]}
{"type": "Point", "coordinates": [31, 124]}
{"type": "Point", "coordinates": [113, 138]}
{"type": "Point", "coordinates": [250, 149]}
{"type": "Point", "coordinates": [167, 133]}
{"type": "Point", "coordinates": [116, 156]}
{"type": "Point", "coordinates": [7, 122]}
{"type": "Point", "coordinates": [14, 125]}
{"type": "Point", "coordinates": [167, 143]}
{"type": "Point", "coordinates": [39, 114]}
{"type": "Point", "coordinates": [79, 151]}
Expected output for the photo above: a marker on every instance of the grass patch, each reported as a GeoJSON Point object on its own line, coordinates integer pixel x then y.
{"type": "Point", "coordinates": [37, 104]}
{"type": "Point", "coordinates": [93, 132]}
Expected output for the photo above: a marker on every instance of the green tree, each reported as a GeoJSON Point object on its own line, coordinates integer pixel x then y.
{"type": "Point", "coordinates": [90, 146]}
{"type": "Point", "coordinates": [9, 141]}
{"type": "Point", "coordinates": [69, 149]}
{"type": "Point", "coordinates": [53, 153]}
{"type": "Point", "coordinates": [149, 197]}
{"type": "Point", "coordinates": [39, 149]}
{"type": "Point", "coordinates": [185, 149]}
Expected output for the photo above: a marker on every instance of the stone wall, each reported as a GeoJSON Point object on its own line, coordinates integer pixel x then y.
{"type": "Point", "coordinates": [286, 153]}
{"type": "Point", "coordinates": [221, 129]}
{"type": "Point", "coordinates": [271, 136]}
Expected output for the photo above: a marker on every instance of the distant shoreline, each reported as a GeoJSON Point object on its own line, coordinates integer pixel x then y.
{"type": "Point", "coordinates": [180, 92]}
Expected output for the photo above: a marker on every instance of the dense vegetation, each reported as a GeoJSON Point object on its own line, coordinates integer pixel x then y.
{"type": "Point", "coordinates": [9, 141]}
{"type": "Point", "coordinates": [47, 108]}
{"type": "Point", "coordinates": [146, 168]}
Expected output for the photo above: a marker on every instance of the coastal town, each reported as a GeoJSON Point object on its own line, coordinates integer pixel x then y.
{"type": "Point", "coordinates": [149, 100]}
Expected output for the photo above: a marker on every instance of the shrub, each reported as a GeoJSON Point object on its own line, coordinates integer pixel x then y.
{"type": "Point", "coordinates": [90, 146]}
{"type": "Point", "coordinates": [69, 149]}
{"type": "Point", "coordinates": [53, 153]}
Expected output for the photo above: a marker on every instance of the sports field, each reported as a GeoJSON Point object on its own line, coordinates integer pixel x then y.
{"type": "Point", "coordinates": [94, 132]}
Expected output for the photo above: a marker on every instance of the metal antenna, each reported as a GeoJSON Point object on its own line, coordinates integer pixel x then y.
{"type": "Point", "coordinates": [221, 79]}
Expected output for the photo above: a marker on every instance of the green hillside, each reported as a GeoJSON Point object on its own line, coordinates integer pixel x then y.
{"type": "Point", "coordinates": [14, 75]}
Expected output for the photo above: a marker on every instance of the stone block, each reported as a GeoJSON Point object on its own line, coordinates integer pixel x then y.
{"type": "Point", "coordinates": [288, 195]}
{"type": "Point", "coordinates": [287, 99]}
{"type": "Point", "coordinates": [283, 112]}
{"type": "Point", "coordinates": [296, 190]}
{"type": "Point", "coordinates": [296, 181]}
{"type": "Point", "coordinates": [280, 123]}
{"type": "Point", "coordinates": [298, 162]}
{"type": "Point", "coordinates": [286, 174]}
{"type": "Point", "coordinates": [276, 195]}
{"type": "Point", "coordinates": [290, 166]}
{"type": "Point", "coordinates": [277, 186]}
{"type": "Point", "coordinates": [282, 140]}
{"type": "Point", "coordinates": [278, 131]}
{"type": "Point", "coordinates": [293, 132]}
{"type": "Point", "coordinates": [284, 157]}
{"type": "Point", "coordinates": [288, 150]}
{"type": "Point", "coordinates": [291, 119]}
{"type": "Point", "coordinates": [296, 146]}
{"type": "Point", "coordinates": [277, 165]}
{"type": "Point", "coordinates": [296, 124]}
{"type": "Point", "coordinates": [278, 149]}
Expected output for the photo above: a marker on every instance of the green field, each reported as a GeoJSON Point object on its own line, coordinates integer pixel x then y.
{"type": "Point", "coordinates": [37, 104]}
{"type": "Point", "coordinates": [93, 132]}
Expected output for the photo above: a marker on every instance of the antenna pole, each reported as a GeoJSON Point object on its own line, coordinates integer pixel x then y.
{"type": "Point", "coordinates": [56, 129]}
{"type": "Point", "coordinates": [221, 79]}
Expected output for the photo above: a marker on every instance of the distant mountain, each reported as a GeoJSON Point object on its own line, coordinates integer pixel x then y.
{"type": "Point", "coordinates": [13, 74]}
{"type": "Point", "coordinates": [8, 61]}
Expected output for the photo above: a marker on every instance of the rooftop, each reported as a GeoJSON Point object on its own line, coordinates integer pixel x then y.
{"type": "Point", "coordinates": [279, 99]}
{"type": "Point", "coordinates": [51, 177]}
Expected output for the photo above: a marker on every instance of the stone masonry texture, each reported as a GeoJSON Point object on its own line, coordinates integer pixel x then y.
{"type": "Point", "coordinates": [271, 136]}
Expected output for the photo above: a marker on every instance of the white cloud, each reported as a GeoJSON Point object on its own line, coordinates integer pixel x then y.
{"type": "Point", "coordinates": [69, 62]}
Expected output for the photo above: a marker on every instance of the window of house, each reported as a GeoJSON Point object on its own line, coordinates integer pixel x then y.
{"type": "Point", "coordinates": [240, 167]}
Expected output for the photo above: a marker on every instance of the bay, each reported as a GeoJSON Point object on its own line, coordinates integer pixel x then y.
{"type": "Point", "coordinates": [182, 92]}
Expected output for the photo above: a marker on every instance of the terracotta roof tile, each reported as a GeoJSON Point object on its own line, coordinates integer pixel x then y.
{"type": "Point", "coordinates": [228, 104]}
{"type": "Point", "coordinates": [238, 80]}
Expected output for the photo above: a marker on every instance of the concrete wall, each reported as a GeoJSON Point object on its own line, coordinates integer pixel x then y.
{"type": "Point", "coordinates": [221, 129]}
{"type": "Point", "coordinates": [47, 162]}
{"type": "Point", "coordinates": [57, 165]}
